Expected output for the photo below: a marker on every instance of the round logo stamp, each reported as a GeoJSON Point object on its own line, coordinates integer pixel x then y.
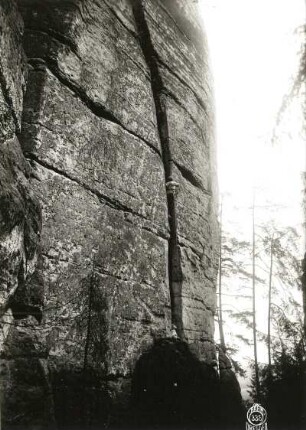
{"type": "Point", "coordinates": [257, 417]}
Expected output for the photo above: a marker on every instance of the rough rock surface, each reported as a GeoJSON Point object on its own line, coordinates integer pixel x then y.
{"type": "Point", "coordinates": [103, 105]}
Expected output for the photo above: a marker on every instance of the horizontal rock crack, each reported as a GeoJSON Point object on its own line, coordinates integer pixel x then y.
{"type": "Point", "coordinates": [112, 203]}
{"type": "Point", "coordinates": [200, 102]}
{"type": "Point", "coordinates": [96, 108]}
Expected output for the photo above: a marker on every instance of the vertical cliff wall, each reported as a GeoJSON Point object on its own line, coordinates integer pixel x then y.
{"type": "Point", "coordinates": [108, 202]}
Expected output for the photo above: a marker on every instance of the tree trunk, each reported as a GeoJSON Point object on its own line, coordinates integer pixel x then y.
{"type": "Point", "coordinates": [303, 415]}
{"type": "Point", "coordinates": [222, 341]}
{"type": "Point", "coordinates": [257, 386]}
{"type": "Point", "coordinates": [269, 303]}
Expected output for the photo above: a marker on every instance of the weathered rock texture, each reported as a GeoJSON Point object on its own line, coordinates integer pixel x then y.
{"type": "Point", "coordinates": [100, 263]}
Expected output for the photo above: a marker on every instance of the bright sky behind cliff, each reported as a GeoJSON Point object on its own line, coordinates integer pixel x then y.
{"type": "Point", "coordinates": [253, 55]}
{"type": "Point", "coordinates": [253, 50]}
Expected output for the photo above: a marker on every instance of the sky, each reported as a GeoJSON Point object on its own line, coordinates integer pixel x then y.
{"type": "Point", "coordinates": [253, 55]}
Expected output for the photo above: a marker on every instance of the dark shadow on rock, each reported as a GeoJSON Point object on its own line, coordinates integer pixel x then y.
{"type": "Point", "coordinates": [81, 400]}
{"type": "Point", "coordinates": [171, 388]}
{"type": "Point", "coordinates": [26, 399]}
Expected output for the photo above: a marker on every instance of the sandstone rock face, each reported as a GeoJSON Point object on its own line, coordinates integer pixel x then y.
{"type": "Point", "coordinates": [105, 105]}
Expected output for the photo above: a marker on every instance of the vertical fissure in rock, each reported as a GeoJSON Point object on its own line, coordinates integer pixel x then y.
{"type": "Point", "coordinates": [159, 96]}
